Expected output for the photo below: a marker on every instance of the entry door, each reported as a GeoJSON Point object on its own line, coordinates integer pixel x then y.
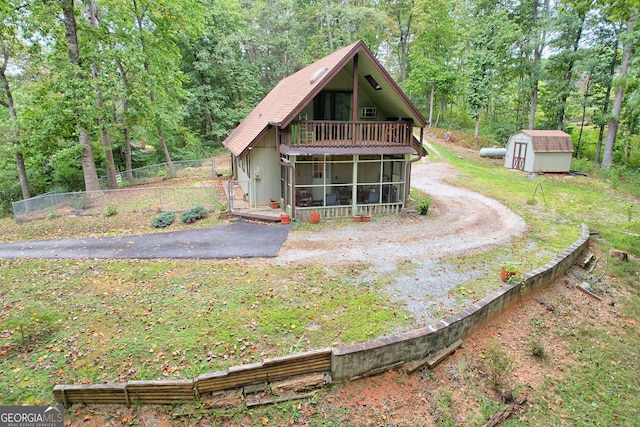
{"type": "Point", "coordinates": [519, 155]}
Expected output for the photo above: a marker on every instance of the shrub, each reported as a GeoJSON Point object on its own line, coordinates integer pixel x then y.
{"type": "Point", "coordinates": [499, 362]}
{"type": "Point", "coordinates": [537, 348]}
{"type": "Point", "coordinates": [111, 210]}
{"type": "Point", "coordinates": [193, 214]}
{"type": "Point", "coordinates": [163, 219]}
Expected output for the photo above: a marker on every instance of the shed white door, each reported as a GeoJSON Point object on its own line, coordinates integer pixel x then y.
{"type": "Point", "coordinates": [519, 155]}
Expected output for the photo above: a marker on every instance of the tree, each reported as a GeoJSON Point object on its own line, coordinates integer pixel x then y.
{"type": "Point", "coordinates": [222, 82]}
{"type": "Point", "coordinates": [88, 162]}
{"type": "Point", "coordinates": [621, 74]}
{"type": "Point", "coordinates": [491, 35]}
{"type": "Point", "coordinates": [92, 17]}
{"type": "Point", "coordinates": [569, 28]}
{"type": "Point", "coordinates": [401, 12]}
{"type": "Point", "coordinates": [539, 35]}
{"type": "Point", "coordinates": [431, 67]}
{"type": "Point", "coordinates": [7, 35]}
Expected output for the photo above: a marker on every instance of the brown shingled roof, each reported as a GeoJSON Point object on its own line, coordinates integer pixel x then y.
{"type": "Point", "coordinates": [285, 101]}
{"type": "Point", "coordinates": [550, 141]}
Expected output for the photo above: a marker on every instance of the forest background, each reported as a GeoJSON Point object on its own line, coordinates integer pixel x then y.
{"type": "Point", "coordinates": [89, 88]}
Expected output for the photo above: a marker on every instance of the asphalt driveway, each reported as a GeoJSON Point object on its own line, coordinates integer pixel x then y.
{"type": "Point", "coordinates": [237, 240]}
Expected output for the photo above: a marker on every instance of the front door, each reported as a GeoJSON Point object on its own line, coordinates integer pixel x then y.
{"type": "Point", "coordinates": [519, 155]}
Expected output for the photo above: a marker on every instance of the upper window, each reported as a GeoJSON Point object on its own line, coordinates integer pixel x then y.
{"type": "Point", "coordinates": [332, 105]}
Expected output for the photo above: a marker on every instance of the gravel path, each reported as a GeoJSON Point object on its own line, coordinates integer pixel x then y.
{"type": "Point", "coordinates": [460, 222]}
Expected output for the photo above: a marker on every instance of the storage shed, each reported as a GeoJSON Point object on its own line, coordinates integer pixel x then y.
{"type": "Point", "coordinates": [539, 151]}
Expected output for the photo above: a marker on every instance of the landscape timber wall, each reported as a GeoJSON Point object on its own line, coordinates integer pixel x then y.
{"type": "Point", "coordinates": [373, 356]}
{"type": "Point", "coordinates": [345, 362]}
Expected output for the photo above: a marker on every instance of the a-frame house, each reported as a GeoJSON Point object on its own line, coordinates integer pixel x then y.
{"type": "Point", "coordinates": [338, 137]}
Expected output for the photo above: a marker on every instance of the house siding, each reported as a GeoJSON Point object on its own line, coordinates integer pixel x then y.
{"type": "Point", "coordinates": [266, 184]}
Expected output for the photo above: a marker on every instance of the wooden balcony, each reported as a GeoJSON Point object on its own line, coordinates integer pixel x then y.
{"type": "Point", "coordinates": [332, 134]}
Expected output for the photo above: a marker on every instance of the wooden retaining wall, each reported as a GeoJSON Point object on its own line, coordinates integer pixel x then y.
{"type": "Point", "coordinates": [344, 362]}
{"type": "Point", "coordinates": [175, 391]}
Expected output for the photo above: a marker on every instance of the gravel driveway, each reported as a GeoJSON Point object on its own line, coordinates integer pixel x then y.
{"type": "Point", "coordinates": [460, 222]}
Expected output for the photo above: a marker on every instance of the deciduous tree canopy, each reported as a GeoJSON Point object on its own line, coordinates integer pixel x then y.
{"type": "Point", "coordinates": [85, 82]}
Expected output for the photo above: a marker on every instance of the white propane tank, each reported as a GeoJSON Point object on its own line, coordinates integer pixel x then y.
{"type": "Point", "coordinates": [493, 152]}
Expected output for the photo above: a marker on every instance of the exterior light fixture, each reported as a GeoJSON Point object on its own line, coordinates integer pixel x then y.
{"type": "Point", "coordinates": [374, 84]}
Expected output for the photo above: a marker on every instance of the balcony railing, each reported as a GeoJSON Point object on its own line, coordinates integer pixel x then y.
{"type": "Point", "coordinates": [347, 134]}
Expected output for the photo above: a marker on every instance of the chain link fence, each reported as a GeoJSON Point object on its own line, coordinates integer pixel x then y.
{"type": "Point", "coordinates": [179, 169]}
{"type": "Point", "coordinates": [139, 199]}
{"type": "Point", "coordinates": [107, 202]}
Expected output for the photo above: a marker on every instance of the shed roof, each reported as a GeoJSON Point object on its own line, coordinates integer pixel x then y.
{"type": "Point", "coordinates": [550, 141]}
{"type": "Point", "coordinates": [289, 97]}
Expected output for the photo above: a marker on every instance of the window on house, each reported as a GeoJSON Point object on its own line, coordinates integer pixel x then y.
{"type": "Point", "coordinates": [332, 105]}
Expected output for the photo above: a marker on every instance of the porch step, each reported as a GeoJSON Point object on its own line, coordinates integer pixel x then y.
{"type": "Point", "coordinates": [257, 216]}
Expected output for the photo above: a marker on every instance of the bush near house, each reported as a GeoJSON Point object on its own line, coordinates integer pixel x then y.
{"type": "Point", "coordinates": [193, 214]}
{"type": "Point", "coordinates": [163, 219]}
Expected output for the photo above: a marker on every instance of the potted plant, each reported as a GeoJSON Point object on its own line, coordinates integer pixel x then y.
{"type": "Point", "coordinates": [509, 271]}
{"type": "Point", "coordinates": [362, 216]}
{"type": "Point", "coordinates": [423, 205]}
{"type": "Point", "coordinates": [314, 217]}
{"type": "Point", "coordinates": [224, 213]}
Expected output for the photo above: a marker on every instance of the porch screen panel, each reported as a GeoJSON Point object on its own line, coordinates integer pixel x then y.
{"type": "Point", "coordinates": [285, 184]}
{"type": "Point", "coordinates": [393, 168]}
{"type": "Point", "coordinates": [307, 170]}
{"type": "Point", "coordinates": [339, 184]}
{"type": "Point", "coordinates": [369, 174]}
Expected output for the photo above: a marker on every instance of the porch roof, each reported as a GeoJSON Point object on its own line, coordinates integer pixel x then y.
{"type": "Point", "coordinates": [289, 97]}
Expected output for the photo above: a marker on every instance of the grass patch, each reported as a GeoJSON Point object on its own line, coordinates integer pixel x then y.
{"type": "Point", "coordinates": [443, 411]}
{"type": "Point", "coordinates": [134, 320]}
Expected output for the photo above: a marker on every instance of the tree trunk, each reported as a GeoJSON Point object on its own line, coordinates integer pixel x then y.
{"type": "Point", "coordinates": [91, 182]}
{"type": "Point", "coordinates": [534, 90]}
{"type": "Point", "coordinates": [125, 122]}
{"type": "Point", "coordinates": [537, 56]}
{"type": "Point", "coordinates": [13, 116]}
{"type": "Point", "coordinates": [329, 33]}
{"type": "Point", "coordinates": [143, 45]}
{"type": "Point", "coordinates": [404, 43]}
{"type": "Point", "coordinates": [443, 106]}
{"type": "Point", "coordinates": [628, 142]}
{"type": "Point", "coordinates": [476, 131]}
{"type": "Point", "coordinates": [112, 182]}
{"type": "Point", "coordinates": [584, 114]}
{"type": "Point", "coordinates": [605, 103]}
{"type": "Point", "coordinates": [431, 98]}
{"type": "Point", "coordinates": [569, 72]}
{"type": "Point", "coordinates": [627, 51]}
{"type": "Point", "coordinates": [22, 174]}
